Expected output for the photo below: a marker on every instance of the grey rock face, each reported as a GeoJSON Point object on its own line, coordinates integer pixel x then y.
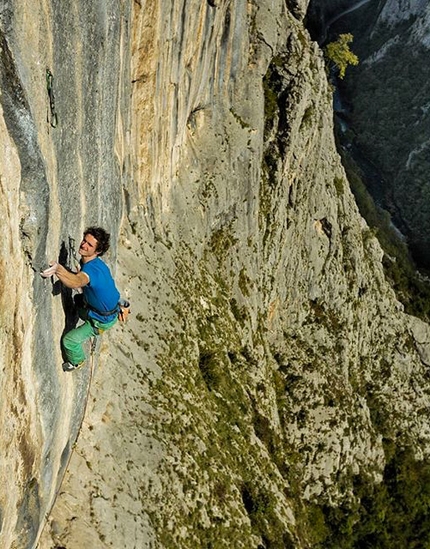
{"type": "Point", "coordinates": [395, 11]}
{"type": "Point", "coordinates": [264, 339]}
{"type": "Point", "coordinates": [416, 13]}
{"type": "Point", "coordinates": [54, 182]}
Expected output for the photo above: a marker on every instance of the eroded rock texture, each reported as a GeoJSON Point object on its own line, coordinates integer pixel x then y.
{"type": "Point", "coordinates": [267, 357]}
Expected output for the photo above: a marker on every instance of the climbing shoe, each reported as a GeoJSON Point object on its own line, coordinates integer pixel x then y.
{"type": "Point", "coordinates": [68, 367]}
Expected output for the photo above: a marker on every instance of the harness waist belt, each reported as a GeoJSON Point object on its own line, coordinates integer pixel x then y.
{"type": "Point", "coordinates": [102, 313]}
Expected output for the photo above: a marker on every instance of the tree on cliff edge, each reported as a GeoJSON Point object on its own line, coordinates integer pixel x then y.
{"type": "Point", "coordinates": [339, 54]}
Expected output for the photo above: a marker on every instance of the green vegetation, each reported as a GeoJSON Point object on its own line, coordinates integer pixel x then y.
{"type": "Point", "coordinates": [391, 515]}
{"type": "Point", "coordinates": [228, 487]}
{"type": "Point", "coordinates": [260, 504]}
{"type": "Point", "coordinates": [388, 97]}
{"type": "Point", "coordinates": [390, 117]}
{"type": "Point", "coordinates": [273, 87]}
{"type": "Point", "coordinates": [214, 410]}
{"type": "Point", "coordinates": [339, 54]}
{"type": "Point", "coordinates": [411, 288]}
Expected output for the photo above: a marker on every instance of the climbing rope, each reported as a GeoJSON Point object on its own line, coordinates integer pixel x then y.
{"type": "Point", "coordinates": [52, 117]}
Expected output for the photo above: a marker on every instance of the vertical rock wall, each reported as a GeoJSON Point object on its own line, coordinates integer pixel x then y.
{"type": "Point", "coordinates": [266, 357]}
{"type": "Point", "coordinates": [54, 182]}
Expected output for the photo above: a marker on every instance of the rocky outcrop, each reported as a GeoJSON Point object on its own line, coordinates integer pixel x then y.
{"type": "Point", "coordinates": [267, 363]}
{"type": "Point", "coordinates": [396, 11]}
{"type": "Point", "coordinates": [416, 16]}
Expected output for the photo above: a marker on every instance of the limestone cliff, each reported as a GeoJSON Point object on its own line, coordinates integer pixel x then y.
{"type": "Point", "coordinates": [396, 11]}
{"type": "Point", "coordinates": [268, 375]}
{"type": "Point", "coordinates": [54, 181]}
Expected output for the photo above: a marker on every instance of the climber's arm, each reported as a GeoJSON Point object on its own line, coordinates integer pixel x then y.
{"type": "Point", "coordinates": [72, 280]}
{"type": "Point", "coordinates": [69, 279]}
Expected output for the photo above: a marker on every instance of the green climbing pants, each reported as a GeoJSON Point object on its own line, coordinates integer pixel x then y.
{"type": "Point", "coordinates": [73, 341]}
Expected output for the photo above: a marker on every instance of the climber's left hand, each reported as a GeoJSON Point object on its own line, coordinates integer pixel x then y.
{"type": "Point", "coordinates": [51, 270]}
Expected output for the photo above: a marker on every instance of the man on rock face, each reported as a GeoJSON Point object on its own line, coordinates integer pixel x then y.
{"type": "Point", "coordinates": [98, 303]}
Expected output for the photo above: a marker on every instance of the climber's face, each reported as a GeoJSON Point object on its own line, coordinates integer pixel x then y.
{"type": "Point", "coordinates": [88, 247]}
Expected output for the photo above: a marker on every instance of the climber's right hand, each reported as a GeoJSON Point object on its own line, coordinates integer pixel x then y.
{"type": "Point", "coordinates": [51, 270]}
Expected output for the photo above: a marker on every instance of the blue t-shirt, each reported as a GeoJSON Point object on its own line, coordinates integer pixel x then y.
{"type": "Point", "coordinates": [100, 293]}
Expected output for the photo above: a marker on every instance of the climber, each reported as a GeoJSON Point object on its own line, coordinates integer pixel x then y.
{"type": "Point", "coordinates": [98, 306]}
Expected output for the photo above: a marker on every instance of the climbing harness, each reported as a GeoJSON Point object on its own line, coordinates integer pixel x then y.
{"type": "Point", "coordinates": [102, 313]}
{"type": "Point", "coordinates": [52, 118]}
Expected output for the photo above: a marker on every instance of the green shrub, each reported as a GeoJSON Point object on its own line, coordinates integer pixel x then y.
{"type": "Point", "coordinates": [394, 514]}
{"type": "Point", "coordinates": [411, 289]}
{"type": "Point", "coordinates": [339, 54]}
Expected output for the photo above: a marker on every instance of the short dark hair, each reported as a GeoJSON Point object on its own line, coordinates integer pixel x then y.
{"type": "Point", "coordinates": [102, 237]}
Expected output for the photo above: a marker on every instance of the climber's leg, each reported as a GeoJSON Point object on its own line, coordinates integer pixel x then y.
{"type": "Point", "coordinates": [73, 342]}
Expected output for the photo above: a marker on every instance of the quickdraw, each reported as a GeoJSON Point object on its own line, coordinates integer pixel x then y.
{"type": "Point", "coordinates": [73, 259]}
{"type": "Point", "coordinates": [53, 118]}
